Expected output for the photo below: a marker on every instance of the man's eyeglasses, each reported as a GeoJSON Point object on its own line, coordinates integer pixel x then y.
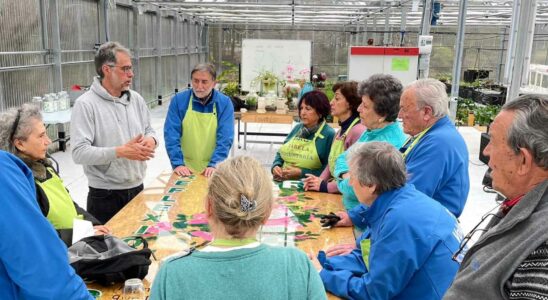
{"type": "Point", "coordinates": [461, 252]}
{"type": "Point", "coordinates": [125, 69]}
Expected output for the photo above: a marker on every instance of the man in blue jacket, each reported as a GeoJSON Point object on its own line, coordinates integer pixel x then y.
{"type": "Point", "coordinates": [199, 126]}
{"type": "Point", "coordinates": [406, 254]}
{"type": "Point", "coordinates": [33, 260]}
{"type": "Point", "coordinates": [436, 155]}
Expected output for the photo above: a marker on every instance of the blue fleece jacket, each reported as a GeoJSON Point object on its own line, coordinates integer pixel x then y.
{"type": "Point", "coordinates": [33, 260]}
{"type": "Point", "coordinates": [391, 133]}
{"type": "Point", "coordinates": [438, 166]}
{"type": "Point", "coordinates": [412, 240]}
{"type": "Point", "coordinates": [173, 128]}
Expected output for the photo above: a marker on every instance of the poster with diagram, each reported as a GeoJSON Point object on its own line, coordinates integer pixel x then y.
{"type": "Point", "coordinates": [277, 56]}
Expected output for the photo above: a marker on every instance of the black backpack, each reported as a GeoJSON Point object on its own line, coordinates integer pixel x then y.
{"type": "Point", "coordinates": [108, 260]}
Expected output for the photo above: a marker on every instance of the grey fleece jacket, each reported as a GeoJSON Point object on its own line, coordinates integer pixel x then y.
{"type": "Point", "coordinates": [488, 266]}
{"type": "Point", "coordinates": [99, 124]}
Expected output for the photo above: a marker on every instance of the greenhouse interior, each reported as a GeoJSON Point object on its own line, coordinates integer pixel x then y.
{"type": "Point", "coordinates": [200, 91]}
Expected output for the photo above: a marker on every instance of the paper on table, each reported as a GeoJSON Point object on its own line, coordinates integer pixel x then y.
{"type": "Point", "coordinates": [81, 229]}
{"type": "Point", "coordinates": [287, 184]}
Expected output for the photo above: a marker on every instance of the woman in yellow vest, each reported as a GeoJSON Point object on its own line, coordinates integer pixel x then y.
{"type": "Point", "coordinates": [23, 133]}
{"type": "Point", "coordinates": [306, 148]}
{"type": "Point", "coordinates": [344, 106]}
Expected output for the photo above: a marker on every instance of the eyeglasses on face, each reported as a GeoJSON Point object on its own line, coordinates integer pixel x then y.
{"type": "Point", "coordinates": [463, 248]}
{"type": "Point", "coordinates": [125, 69]}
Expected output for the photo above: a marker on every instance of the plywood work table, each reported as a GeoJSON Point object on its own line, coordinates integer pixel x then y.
{"type": "Point", "coordinates": [169, 214]}
{"type": "Point", "coordinates": [266, 118]}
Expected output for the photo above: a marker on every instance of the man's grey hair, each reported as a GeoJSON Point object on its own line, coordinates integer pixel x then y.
{"type": "Point", "coordinates": [529, 129]}
{"type": "Point", "coordinates": [106, 54]}
{"type": "Point", "coordinates": [377, 163]}
{"type": "Point", "coordinates": [207, 67]}
{"type": "Point", "coordinates": [27, 113]}
{"type": "Point", "coordinates": [431, 92]}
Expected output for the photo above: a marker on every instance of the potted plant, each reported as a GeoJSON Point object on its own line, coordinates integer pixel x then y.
{"type": "Point", "coordinates": [251, 102]}
{"type": "Point", "coordinates": [267, 80]}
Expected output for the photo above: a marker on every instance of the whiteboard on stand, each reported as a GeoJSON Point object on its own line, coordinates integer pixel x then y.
{"type": "Point", "coordinates": [259, 55]}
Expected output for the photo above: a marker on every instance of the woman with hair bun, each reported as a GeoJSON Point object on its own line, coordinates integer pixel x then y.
{"type": "Point", "coordinates": [235, 265]}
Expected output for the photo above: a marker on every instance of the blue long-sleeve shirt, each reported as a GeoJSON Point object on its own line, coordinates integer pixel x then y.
{"type": "Point", "coordinates": [33, 259]}
{"type": "Point", "coordinates": [438, 167]}
{"type": "Point", "coordinates": [173, 128]}
{"type": "Point", "coordinates": [391, 133]}
{"type": "Point", "coordinates": [412, 240]}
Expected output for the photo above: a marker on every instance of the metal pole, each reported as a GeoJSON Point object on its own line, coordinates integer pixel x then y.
{"type": "Point", "coordinates": [501, 55]}
{"type": "Point", "coordinates": [187, 46]}
{"type": "Point", "coordinates": [206, 42]}
{"type": "Point", "coordinates": [364, 36]}
{"type": "Point", "coordinates": [403, 25]}
{"type": "Point", "coordinates": [56, 47]}
{"type": "Point", "coordinates": [158, 60]}
{"type": "Point", "coordinates": [524, 45]}
{"type": "Point", "coordinates": [174, 48]}
{"type": "Point", "coordinates": [511, 42]}
{"type": "Point", "coordinates": [44, 28]}
{"type": "Point", "coordinates": [375, 42]}
{"type": "Point", "coordinates": [134, 46]}
{"type": "Point", "coordinates": [424, 60]}
{"type": "Point", "coordinates": [457, 63]}
{"type": "Point", "coordinates": [103, 21]}
{"type": "Point", "coordinates": [386, 34]}
{"type": "Point", "coordinates": [221, 48]}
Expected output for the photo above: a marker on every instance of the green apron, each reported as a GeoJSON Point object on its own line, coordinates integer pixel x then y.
{"type": "Point", "coordinates": [302, 153]}
{"type": "Point", "coordinates": [338, 147]}
{"type": "Point", "coordinates": [61, 208]}
{"type": "Point", "coordinates": [365, 246]}
{"type": "Point", "coordinates": [199, 137]}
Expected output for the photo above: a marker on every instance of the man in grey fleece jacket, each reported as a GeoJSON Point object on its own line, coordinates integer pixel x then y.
{"type": "Point", "coordinates": [510, 260]}
{"type": "Point", "coordinates": [111, 134]}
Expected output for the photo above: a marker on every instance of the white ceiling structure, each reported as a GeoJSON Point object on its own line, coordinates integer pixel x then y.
{"type": "Point", "coordinates": [348, 13]}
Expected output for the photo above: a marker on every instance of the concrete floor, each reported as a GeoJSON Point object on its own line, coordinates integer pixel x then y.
{"type": "Point", "coordinates": [477, 205]}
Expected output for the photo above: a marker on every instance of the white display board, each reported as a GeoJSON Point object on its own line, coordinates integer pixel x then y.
{"type": "Point", "coordinates": [273, 55]}
{"type": "Point", "coordinates": [400, 62]}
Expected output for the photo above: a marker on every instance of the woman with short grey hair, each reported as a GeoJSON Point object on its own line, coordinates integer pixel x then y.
{"type": "Point", "coordinates": [380, 103]}
{"type": "Point", "coordinates": [23, 133]}
{"type": "Point", "coordinates": [411, 237]}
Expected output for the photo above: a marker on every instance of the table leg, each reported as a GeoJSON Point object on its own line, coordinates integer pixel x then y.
{"type": "Point", "coordinates": [245, 135]}
{"type": "Point", "coordinates": [61, 136]}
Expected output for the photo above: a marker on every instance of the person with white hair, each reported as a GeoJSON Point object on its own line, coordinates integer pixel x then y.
{"type": "Point", "coordinates": [436, 156]}
{"type": "Point", "coordinates": [406, 253]}
{"type": "Point", "coordinates": [510, 259]}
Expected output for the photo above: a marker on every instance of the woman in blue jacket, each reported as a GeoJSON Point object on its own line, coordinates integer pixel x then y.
{"type": "Point", "coordinates": [407, 253]}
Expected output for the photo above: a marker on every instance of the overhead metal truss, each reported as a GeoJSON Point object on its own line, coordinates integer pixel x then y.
{"type": "Point", "coordinates": [348, 13]}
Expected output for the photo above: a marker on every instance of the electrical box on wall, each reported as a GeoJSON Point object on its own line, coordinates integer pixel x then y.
{"type": "Point", "coordinates": [425, 44]}
{"type": "Point", "coordinates": [400, 62]}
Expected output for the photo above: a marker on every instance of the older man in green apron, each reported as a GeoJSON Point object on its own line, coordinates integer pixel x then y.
{"type": "Point", "coordinates": [199, 126]}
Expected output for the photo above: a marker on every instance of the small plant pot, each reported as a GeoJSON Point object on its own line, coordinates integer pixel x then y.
{"type": "Point", "coordinates": [471, 119]}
